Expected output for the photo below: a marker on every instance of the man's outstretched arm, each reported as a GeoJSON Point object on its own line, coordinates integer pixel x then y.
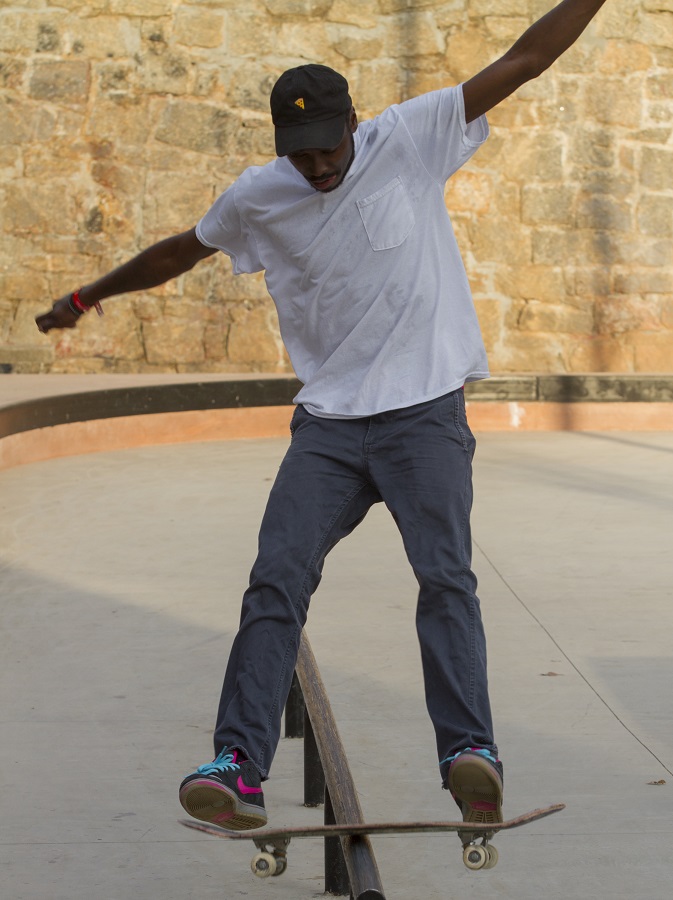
{"type": "Point", "coordinates": [535, 51]}
{"type": "Point", "coordinates": [155, 265]}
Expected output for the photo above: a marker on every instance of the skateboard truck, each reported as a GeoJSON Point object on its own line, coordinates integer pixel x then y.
{"type": "Point", "coordinates": [272, 858]}
{"type": "Point", "coordinates": [479, 855]}
{"type": "Point", "coordinates": [477, 850]}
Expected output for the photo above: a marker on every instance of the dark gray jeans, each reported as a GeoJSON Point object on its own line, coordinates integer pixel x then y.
{"type": "Point", "coordinates": [418, 461]}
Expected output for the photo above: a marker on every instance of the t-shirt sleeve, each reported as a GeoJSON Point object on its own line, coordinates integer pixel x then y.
{"type": "Point", "coordinates": [436, 123]}
{"type": "Point", "coordinates": [224, 228]}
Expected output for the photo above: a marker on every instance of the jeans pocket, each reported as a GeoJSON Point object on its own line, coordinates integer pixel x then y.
{"type": "Point", "coordinates": [294, 420]}
{"type": "Point", "coordinates": [460, 421]}
{"type": "Point", "coordinates": [296, 417]}
{"type": "Point", "coordinates": [454, 418]}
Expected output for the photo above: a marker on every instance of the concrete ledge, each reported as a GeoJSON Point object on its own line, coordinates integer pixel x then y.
{"type": "Point", "coordinates": [143, 400]}
{"type": "Point", "coordinates": [68, 415]}
{"type": "Point", "coordinates": [124, 432]}
{"type": "Point", "coordinates": [599, 388]}
{"type": "Point", "coordinates": [592, 402]}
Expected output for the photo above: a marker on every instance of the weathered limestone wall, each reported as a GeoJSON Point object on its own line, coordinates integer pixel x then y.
{"type": "Point", "coordinates": [121, 120]}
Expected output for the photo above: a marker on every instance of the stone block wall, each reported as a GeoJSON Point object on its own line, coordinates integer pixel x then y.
{"type": "Point", "coordinates": [122, 120]}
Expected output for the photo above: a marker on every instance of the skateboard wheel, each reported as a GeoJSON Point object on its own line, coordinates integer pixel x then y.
{"type": "Point", "coordinates": [281, 865]}
{"type": "Point", "coordinates": [475, 856]}
{"type": "Point", "coordinates": [264, 865]}
{"type": "Point", "coordinates": [492, 857]}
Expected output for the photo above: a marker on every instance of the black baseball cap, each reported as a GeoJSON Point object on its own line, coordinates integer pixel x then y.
{"type": "Point", "coordinates": [309, 105]}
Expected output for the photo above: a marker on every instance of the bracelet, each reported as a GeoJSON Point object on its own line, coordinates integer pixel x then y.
{"type": "Point", "coordinates": [73, 309]}
{"type": "Point", "coordinates": [79, 307]}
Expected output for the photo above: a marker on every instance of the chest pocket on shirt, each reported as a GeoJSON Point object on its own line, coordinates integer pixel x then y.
{"type": "Point", "coordinates": [387, 215]}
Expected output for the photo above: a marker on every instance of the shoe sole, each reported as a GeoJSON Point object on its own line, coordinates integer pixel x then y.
{"type": "Point", "coordinates": [477, 786]}
{"type": "Point", "coordinates": [210, 803]}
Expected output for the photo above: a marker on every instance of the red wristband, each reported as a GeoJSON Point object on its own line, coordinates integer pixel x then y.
{"type": "Point", "coordinates": [81, 305]}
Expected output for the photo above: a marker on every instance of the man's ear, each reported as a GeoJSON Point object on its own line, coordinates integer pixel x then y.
{"type": "Point", "coordinates": [352, 120]}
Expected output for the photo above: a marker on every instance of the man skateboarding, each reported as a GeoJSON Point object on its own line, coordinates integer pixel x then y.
{"type": "Point", "coordinates": [350, 227]}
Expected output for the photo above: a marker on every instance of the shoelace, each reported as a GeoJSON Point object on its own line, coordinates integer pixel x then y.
{"type": "Point", "coordinates": [485, 753]}
{"type": "Point", "coordinates": [223, 763]}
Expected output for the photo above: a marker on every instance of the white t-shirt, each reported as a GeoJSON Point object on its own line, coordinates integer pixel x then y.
{"type": "Point", "coordinates": [372, 296]}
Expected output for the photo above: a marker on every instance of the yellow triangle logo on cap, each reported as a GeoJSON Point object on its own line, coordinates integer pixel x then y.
{"type": "Point", "coordinates": [299, 103]}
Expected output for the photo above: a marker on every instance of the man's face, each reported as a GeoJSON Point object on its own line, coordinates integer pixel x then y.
{"type": "Point", "coordinates": [326, 168]}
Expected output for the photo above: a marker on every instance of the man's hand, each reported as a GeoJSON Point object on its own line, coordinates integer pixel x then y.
{"type": "Point", "coordinates": [59, 316]}
{"type": "Point", "coordinates": [155, 265]}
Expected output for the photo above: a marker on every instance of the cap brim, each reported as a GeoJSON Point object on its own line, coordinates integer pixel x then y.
{"type": "Point", "coordinates": [311, 136]}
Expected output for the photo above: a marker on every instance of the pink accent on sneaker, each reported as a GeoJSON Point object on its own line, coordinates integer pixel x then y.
{"type": "Point", "coordinates": [244, 789]}
{"type": "Point", "coordinates": [483, 806]}
{"type": "Point", "coordinates": [223, 817]}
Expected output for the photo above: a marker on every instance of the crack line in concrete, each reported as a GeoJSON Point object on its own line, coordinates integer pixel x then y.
{"type": "Point", "coordinates": [568, 659]}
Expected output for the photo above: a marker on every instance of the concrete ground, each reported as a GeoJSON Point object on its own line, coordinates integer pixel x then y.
{"type": "Point", "coordinates": [121, 581]}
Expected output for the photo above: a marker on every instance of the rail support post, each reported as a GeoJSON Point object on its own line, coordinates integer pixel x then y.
{"type": "Point", "coordinates": [337, 881]}
{"type": "Point", "coordinates": [295, 711]}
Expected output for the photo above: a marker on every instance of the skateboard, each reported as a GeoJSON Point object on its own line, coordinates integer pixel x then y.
{"type": "Point", "coordinates": [272, 843]}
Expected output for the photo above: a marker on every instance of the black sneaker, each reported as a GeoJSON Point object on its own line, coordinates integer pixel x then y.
{"type": "Point", "coordinates": [475, 779]}
{"type": "Point", "coordinates": [226, 792]}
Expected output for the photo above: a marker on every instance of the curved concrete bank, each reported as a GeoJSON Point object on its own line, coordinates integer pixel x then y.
{"type": "Point", "coordinates": [47, 416]}
{"type": "Point", "coordinates": [53, 416]}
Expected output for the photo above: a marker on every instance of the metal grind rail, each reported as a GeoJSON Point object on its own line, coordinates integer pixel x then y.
{"type": "Point", "coordinates": [350, 866]}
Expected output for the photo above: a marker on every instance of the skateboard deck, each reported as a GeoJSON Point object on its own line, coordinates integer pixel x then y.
{"type": "Point", "coordinates": [273, 842]}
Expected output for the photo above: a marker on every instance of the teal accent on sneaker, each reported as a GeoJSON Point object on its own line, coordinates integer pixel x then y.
{"type": "Point", "coordinates": [479, 750]}
{"type": "Point", "coordinates": [224, 762]}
